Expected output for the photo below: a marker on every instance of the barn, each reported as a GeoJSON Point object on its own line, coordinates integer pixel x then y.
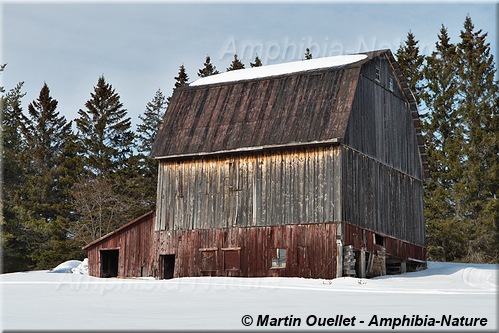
{"type": "Point", "coordinates": [307, 169]}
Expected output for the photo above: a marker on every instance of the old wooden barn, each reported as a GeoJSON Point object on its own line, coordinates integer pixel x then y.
{"type": "Point", "coordinates": [309, 169]}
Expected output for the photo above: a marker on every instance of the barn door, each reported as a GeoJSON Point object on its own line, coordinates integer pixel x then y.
{"type": "Point", "coordinates": [167, 266]}
{"type": "Point", "coordinates": [109, 263]}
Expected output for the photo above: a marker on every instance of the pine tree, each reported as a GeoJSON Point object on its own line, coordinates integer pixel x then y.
{"type": "Point", "coordinates": [235, 64]}
{"type": "Point", "coordinates": [308, 54]}
{"type": "Point", "coordinates": [208, 69]}
{"type": "Point", "coordinates": [411, 62]}
{"type": "Point", "coordinates": [105, 131]}
{"type": "Point", "coordinates": [257, 62]}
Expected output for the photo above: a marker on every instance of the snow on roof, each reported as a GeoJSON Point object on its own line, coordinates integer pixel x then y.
{"type": "Point", "coordinates": [279, 69]}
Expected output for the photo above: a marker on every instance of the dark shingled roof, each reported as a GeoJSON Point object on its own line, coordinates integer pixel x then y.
{"type": "Point", "coordinates": [290, 109]}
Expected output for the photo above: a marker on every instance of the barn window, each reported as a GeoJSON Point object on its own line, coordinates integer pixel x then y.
{"type": "Point", "coordinates": [279, 258]}
{"type": "Point", "coordinates": [231, 258]}
{"type": "Point", "coordinates": [379, 240]}
{"type": "Point", "coordinates": [378, 75]}
{"type": "Point", "coordinates": [208, 261]}
{"type": "Point", "coordinates": [390, 84]}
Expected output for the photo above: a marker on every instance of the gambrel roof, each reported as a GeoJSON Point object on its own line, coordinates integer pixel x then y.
{"type": "Point", "coordinates": [273, 108]}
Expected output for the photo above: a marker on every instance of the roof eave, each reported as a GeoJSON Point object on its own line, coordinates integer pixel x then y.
{"type": "Point", "coordinates": [329, 142]}
{"type": "Point", "coordinates": [98, 240]}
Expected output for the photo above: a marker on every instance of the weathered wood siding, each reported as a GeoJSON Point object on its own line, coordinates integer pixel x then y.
{"type": "Point", "coordinates": [364, 238]}
{"type": "Point", "coordinates": [270, 188]}
{"type": "Point", "coordinates": [310, 250]}
{"type": "Point", "coordinates": [135, 244]}
{"type": "Point", "coordinates": [381, 198]}
{"type": "Point", "coordinates": [381, 122]}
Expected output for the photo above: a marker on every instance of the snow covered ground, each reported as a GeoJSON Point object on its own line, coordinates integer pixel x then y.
{"type": "Point", "coordinates": [49, 301]}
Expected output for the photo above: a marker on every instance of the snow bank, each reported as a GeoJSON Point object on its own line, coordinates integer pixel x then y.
{"type": "Point", "coordinates": [279, 69]}
{"type": "Point", "coordinates": [81, 268]}
{"type": "Point", "coordinates": [66, 267]}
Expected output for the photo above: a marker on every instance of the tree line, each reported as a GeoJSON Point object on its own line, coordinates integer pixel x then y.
{"type": "Point", "coordinates": [457, 95]}
{"type": "Point", "coordinates": [67, 183]}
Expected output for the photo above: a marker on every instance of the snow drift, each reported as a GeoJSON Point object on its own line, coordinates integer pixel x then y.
{"type": "Point", "coordinates": [58, 301]}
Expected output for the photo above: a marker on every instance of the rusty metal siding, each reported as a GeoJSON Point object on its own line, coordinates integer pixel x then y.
{"type": "Point", "coordinates": [310, 250]}
{"type": "Point", "coordinates": [271, 188]}
{"type": "Point", "coordinates": [135, 244]}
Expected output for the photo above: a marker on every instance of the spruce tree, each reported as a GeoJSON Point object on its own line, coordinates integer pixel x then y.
{"type": "Point", "coordinates": [105, 131]}
{"type": "Point", "coordinates": [16, 244]}
{"type": "Point", "coordinates": [151, 120]}
{"type": "Point", "coordinates": [257, 62]}
{"type": "Point", "coordinates": [44, 205]}
{"type": "Point", "coordinates": [308, 54]}
{"type": "Point", "coordinates": [146, 134]}
{"type": "Point", "coordinates": [181, 80]}
{"type": "Point", "coordinates": [109, 194]}
{"type": "Point", "coordinates": [208, 69]}
{"type": "Point", "coordinates": [477, 93]}
{"type": "Point", "coordinates": [235, 64]}
{"type": "Point", "coordinates": [411, 62]}
{"type": "Point", "coordinates": [444, 140]}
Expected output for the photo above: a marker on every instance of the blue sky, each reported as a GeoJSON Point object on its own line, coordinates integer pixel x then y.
{"type": "Point", "coordinates": [139, 47]}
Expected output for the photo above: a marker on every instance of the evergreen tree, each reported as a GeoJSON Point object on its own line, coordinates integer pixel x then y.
{"type": "Point", "coordinates": [16, 247]}
{"type": "Point", "coordinates": [460, 127]}
{"type": "Point", "coordinates": [411, 62]}
{"type": "Point", "coordinates": [39, 201]}
{"type": "Point", "coordinates": [235, 64]}
{"type": "Point", "coordinates": [208, 69]}
{"type": "Point", "coordinates": [181, 80]}
{"type": "Point", "coordinates": [146, 134]}
{"type": "Point", "coordinates": [105, 131]}
{"type": "Point", "coordinates": [444, 140]}
{"type": "Point", "coordinates": [109, 195]}
{"type": "Point", "coordinates": [308, 54]}
{"type": "Point", "coordinates": [151, 120]}
{"type": "Point", "coordinates": [257, 62]}
{"type": "Point", "coordinates": [477, 93]}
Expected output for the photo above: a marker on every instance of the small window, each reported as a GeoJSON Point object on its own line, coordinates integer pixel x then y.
{"type": "Point", "coordinates": [279, 261]}
{"type": "Point", "coordinates": [379, 240]}
{"type": "Point", "coordinates": [378, 75]}
{"type": "Point", "coordinates": [232, 259]}
{"type": "Point", "coordinates": [390, 84]}
{"type": "Point", "coordinates": [208, 261]}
